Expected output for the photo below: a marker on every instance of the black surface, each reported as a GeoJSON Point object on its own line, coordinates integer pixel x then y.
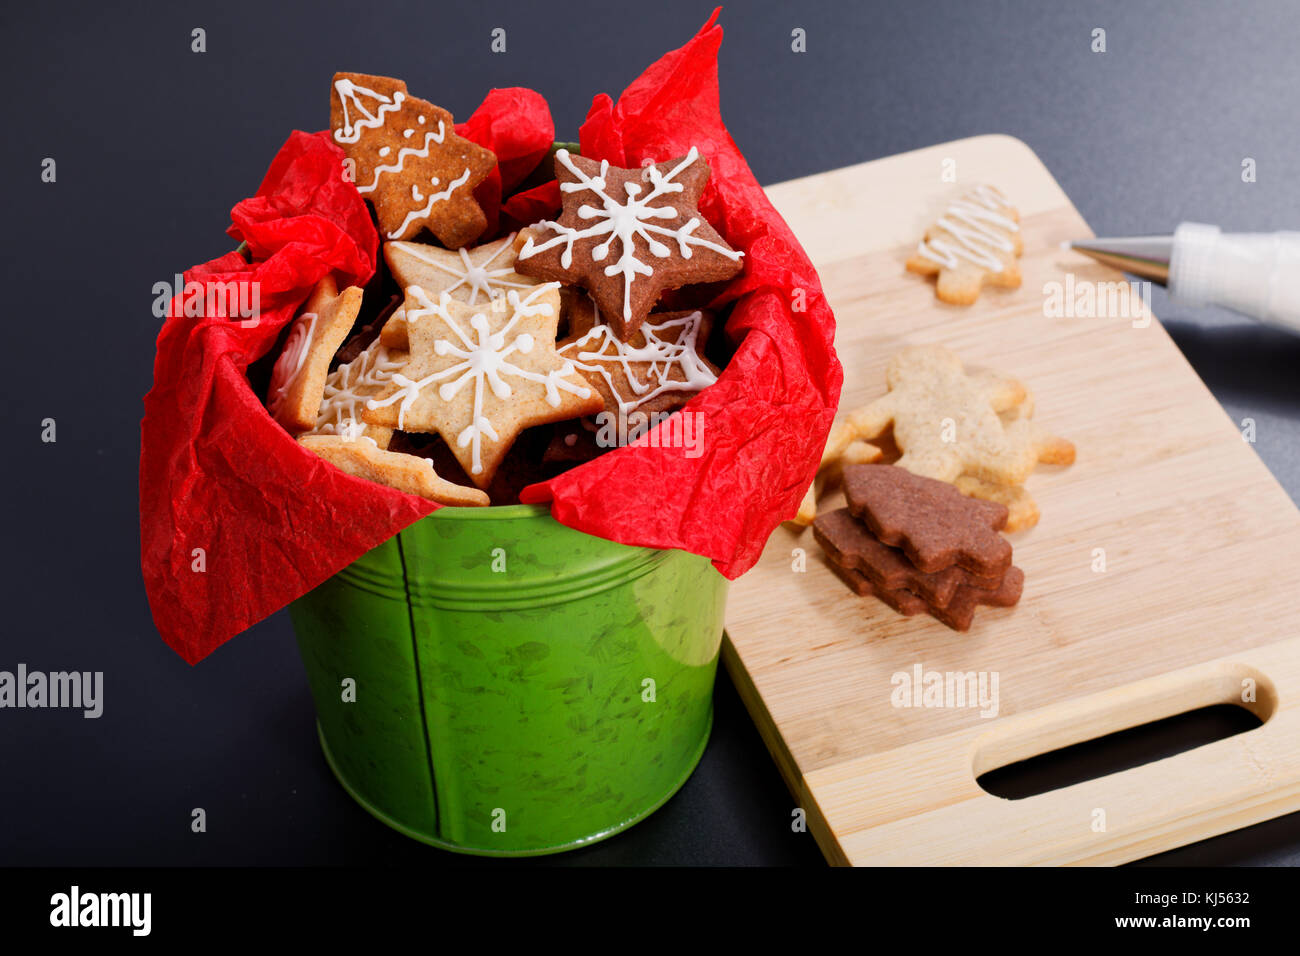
{"type": "Point", "coordinates": [154, 144]}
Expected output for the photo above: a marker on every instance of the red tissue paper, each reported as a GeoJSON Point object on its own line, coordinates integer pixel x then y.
{"type": "Point", "coordinates": [237, 520]}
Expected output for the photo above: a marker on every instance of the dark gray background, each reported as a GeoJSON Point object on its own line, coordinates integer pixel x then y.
{"type": "Point", "coordinates": [154, 144]}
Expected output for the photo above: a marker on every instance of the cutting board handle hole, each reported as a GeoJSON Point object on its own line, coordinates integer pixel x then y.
{"type": "Point", "coordinates": [1128, 728]}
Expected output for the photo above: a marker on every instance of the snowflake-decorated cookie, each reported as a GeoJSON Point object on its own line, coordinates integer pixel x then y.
{"type": "Point", "coordinates": [298, 378]}
{"type": "Point", "coordinates": [628, 234]}
{"type": "Point", "coordinates": [478, 376]}
{"type": "Point", "coordinates": [409, 161]}
{"type": "Point", "coordinates": [350, 386]}
{"type": "Point", "coordinates": [474, 276]}
{"type": "Point", "coordinates": [657, 369]}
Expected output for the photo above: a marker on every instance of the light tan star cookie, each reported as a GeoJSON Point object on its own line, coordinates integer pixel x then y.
{"type": "Point", "coordinates": [298, 378]}
{"type": "Point", "coordinates": [974, 243]}
{"type": "Point", "coordinates": [362, 458]}
{"type": "Point", "coordinates": [409, 161]}
{"type": "Point", "coordinates": [474, 276]}
{"type": "Point", "coordinates": [480, 376]}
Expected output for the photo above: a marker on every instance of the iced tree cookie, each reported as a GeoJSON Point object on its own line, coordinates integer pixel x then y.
{"type": "Point", "coordinates": [975, 242]}
{"type": "Point", "coordinates": [408, 159]}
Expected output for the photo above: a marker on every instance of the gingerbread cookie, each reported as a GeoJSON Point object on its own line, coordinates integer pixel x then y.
{"type": "Point", "coordinates": [958, 613]}
{"type": "Point", "coordinates": [850, 544]}
{"type": "Point", "coordinates": [362, 458]}
{"type": "Point", "coordinates": [946, 422]}
{"type": "Point", "coordinates": [480, 376]}
{"type": "Point", "coordinates": [974, 243]}
{"type": "Point", "coordinates": [658, 369]}
{"type": "Point", "coordinates": [409, 161]}
{"type": "Point", "coordinates": [626, 235]}
{"type": "Point", "coordinates": [298, 378]}
{"type": "Point", "coordinates": [934, 523]}
{"type": "Point", "coordinates": [843, 447]}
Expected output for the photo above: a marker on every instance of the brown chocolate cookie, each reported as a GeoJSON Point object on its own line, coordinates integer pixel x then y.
{"type": "Point", "coordinates": [934, 523]}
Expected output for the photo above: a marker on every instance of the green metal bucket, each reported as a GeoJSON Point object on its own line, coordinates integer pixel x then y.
{"type": "Point", "coordinates": [492, 682]}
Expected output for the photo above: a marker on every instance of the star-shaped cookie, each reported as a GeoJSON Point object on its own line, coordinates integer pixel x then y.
{"type": "Point", "coordinates": [628, 234]}
{"type": "Point", "coordinates": [480, 376]}
{"type": "Point", "coordinates": [473, 276]}
{"type": "Point", "coordinates": [657, 369]}
{"type": "Point", "coordinates": [409, 161]}
{"type": "Point", "coordinates": [362, 458]}
{"type": "Point", "coordinates": [350, 386]}
{"type": "Point", "coordinates": [298, 378]}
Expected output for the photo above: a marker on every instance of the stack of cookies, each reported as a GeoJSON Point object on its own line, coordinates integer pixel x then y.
{"type": "Point", "coordinates": [541, 349]}
{"type": "Point", "coordinates": [919, 544]}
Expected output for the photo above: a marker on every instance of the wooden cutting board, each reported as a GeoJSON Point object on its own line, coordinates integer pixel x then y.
{"type": "Point", "coordinates": [1196, 604]}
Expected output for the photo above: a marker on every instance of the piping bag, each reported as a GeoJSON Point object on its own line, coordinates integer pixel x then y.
{"type": "Point", "coordinates": [1255, 274]}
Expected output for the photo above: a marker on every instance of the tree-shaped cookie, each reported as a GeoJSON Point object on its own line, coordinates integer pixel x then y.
{"type": "Point", "coordinates": [974, 243]}
{"type": "Point", "coordinates": [409, 161]}
{"type": "Point", "coordinates": [298, 377]}
{"type": "Point", "coordinates": [478, 376]}
{"type": "Point", "coordinates": [628, 234]}
{"type": "Point", "coordinates": [934, 523]}
{"type": "Point", "coordinates": [657, 369]}
{"type": "Point", "coordinates": [946, 422]}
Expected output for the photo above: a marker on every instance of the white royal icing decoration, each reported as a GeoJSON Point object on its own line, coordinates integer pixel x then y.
{"type": "Point", "coordinates": [292, 358]}
{"type": "Point", "coordinates": [625, 222]}
{"type": "Point", "coordinates": [663, 356]}
{"type": "Point", "coordinates": [476, 278]}
{"type": "Point", "coordinates": [976, 224]}
{"type": "Point", "coordinates": [350, 96]}
{"type": "Point", "coordinates": [485, 360]}
{"type": "Point", "coordinates": [456, 183]}
{"type": "Point", "coordinates": [429, 139]}
{"type": "Point", "coordinates": [369, 371]}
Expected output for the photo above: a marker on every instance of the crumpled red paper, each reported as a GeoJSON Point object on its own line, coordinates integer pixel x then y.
{"type": "Point", "coordinates": [237, 520]}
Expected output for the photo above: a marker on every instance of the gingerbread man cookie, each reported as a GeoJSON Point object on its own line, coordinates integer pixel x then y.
{"type": "Point", "coordinates": [409, 161]}
{"type": "Point", "coordinates": [626, 235]}
{"type": "Point", "coordinates": [480, 376]}
{"type": "Point", "coordinates": [946, 422]}
{"type": "Point", "coordinates": [974, 243]}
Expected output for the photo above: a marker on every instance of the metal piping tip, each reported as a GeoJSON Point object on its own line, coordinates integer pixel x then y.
{"type": "Point", "coordinates": [1144, 256]}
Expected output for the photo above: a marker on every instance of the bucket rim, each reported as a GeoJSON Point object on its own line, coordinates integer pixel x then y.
{"type": "Point", "coordinates": [492, 513]}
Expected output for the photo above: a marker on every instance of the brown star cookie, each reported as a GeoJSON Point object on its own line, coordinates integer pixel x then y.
{"type": "Point", "coordinates": [409, 161]}
{"type": "Point", "coordinates": [298, 378]}
{"type": "Point", "coordinates": [657, 369]}
{"type": "Point", "coordinates": [934, 523]}
{"type": "Point", "coordinates": [480, 376]}
{"type": "Point", "coordinates": [628, 234]}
